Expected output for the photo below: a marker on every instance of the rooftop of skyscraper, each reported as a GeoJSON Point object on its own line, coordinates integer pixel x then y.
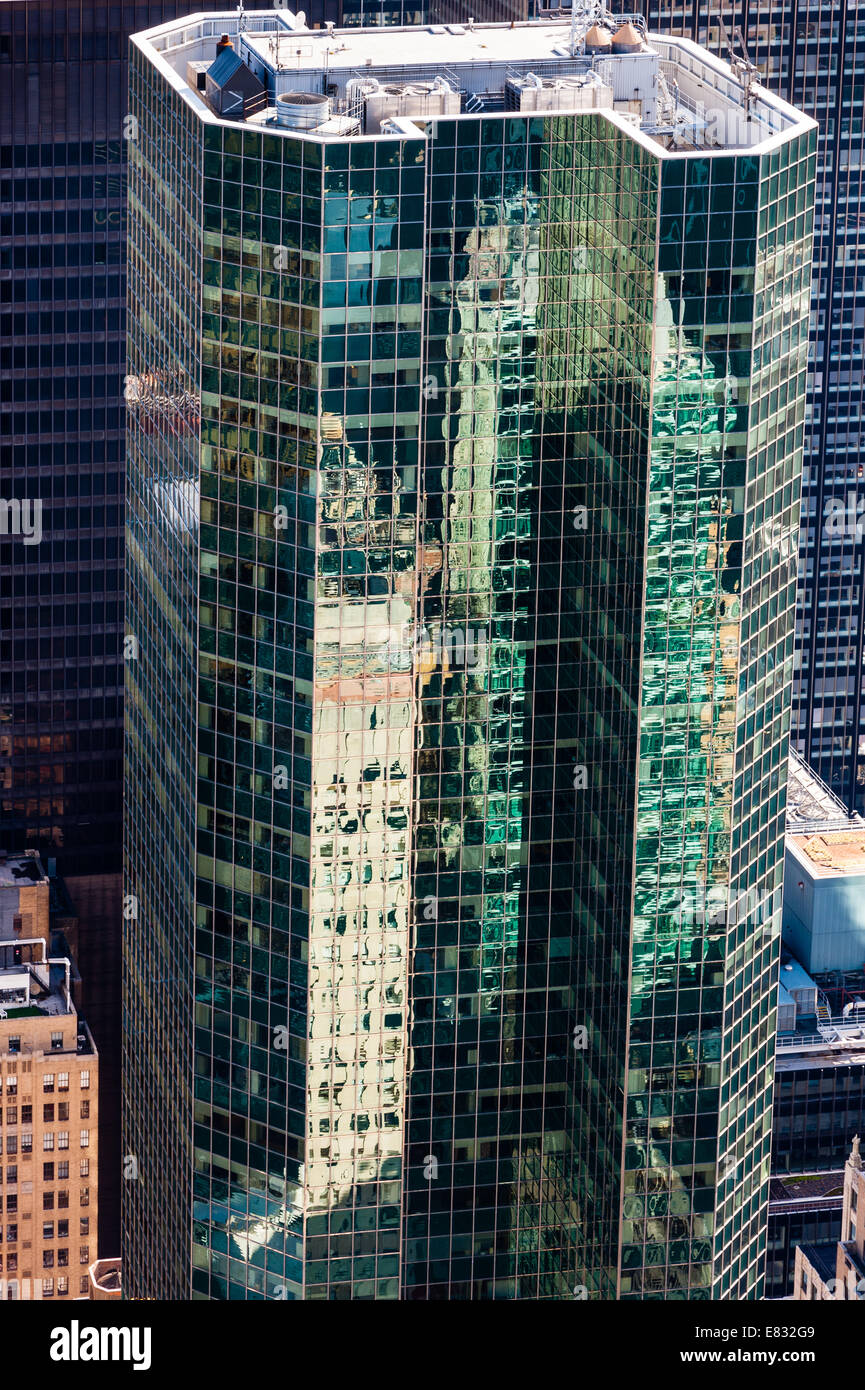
{"type": "Point", "coordinates": [392, 81]}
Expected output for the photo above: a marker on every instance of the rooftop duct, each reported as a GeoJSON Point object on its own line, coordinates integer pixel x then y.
{"type": "Point", "coordinates": [417, 98]}
{"type": "Point", "coordinates": [196, 74]}
{"type": "Point", "coordinates": [586, 92]}
{"type": "Point", "coordinates": [302, 110]}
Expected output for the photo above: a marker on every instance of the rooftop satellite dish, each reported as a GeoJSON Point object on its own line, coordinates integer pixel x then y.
{"type": "Point", "coordinates": [300, 19]}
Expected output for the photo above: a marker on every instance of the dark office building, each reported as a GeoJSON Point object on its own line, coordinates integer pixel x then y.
{"type": "Point", "coordinates": [365, 13]}
{"type": "Point", "coordinates": [62, 347]}
{"type": "Point", "coordinates": [814, 56]}
{"type": "Point", "coordinates": [62, 297]}
{"type": "Point", "coordinates": [819, 1105]}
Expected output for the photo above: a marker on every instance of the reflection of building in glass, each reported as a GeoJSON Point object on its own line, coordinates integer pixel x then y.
{"type": "Point", "coordinates": [464, 625]}
{"type": "Point", "coordinates": [363, 747]}
{"type": "Point", "coordinates": [809, 56]}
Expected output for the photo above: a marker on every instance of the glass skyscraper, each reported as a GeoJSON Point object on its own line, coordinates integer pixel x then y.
{"type": "Point", "coordinates": [814, 56]}
{"type": "Point", "coordinates": [467, 389]}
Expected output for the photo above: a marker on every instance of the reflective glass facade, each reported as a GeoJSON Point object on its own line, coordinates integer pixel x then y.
{"type": "Point", "coordinates": [815, 58]}
{"type": "Point", "coordinates": [727, 425]}
{"type": "Point", "coordinates": [162, 501]}
{"type": "Point", "coordinates": [463, 474]}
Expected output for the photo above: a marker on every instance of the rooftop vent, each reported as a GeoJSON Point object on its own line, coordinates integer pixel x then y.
{"type": "Point", "coordinates": [302, 110]}
{"type": "Point", "coordinates": [586, 91]}
{"type": "Point", "coordinates": [196, 74]}
{"type": "Point", "coordinates": [418, 98]}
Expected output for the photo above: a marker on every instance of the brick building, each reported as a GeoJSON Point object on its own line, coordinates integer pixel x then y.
{"type": "Point", "coordinates": [49, 1074]}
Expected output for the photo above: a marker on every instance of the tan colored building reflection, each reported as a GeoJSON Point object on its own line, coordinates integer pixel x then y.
{"type": "Point", "coordinates": [363, 739]}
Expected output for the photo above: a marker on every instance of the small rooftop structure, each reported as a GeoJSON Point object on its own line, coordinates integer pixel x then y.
{"type": "Point", "coordinates": [17, 870]}
{"type": "Point", "coordinates": [811, 805]}
{"type": "Point", "coordinates": [598, 40]}
{"type": "Point", "coordinates": [231, 89]}
{"type": "Point", "coordinates": [626, 39]}
{"type": "Point", "coordinates": [104, 1280]}
{"type": "Point", "coordinates": [824, 876]}
{"type": "Point", "coordinates": [787, 1010]}
{"type": "Point", "coordinates": [800, 987]}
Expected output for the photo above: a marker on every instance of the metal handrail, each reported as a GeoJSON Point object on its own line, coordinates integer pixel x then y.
{"type": "Point", "coordinates": [794, 1040]}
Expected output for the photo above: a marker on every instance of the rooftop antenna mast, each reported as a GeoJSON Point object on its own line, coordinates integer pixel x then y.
{"type": "Point", "coordinates": [241, 18]}
{"type": "Point", "coordinates": [746, 71]}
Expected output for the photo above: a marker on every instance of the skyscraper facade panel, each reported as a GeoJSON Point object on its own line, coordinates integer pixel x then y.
{"type": "Point", "coordinates": [162, 508]}
{"type": "Point", "coordinates": [814, 57]}
{"type": "Point", "coordinates": [464, 465]}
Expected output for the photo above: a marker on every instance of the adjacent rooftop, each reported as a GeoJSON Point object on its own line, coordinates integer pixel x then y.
{"type": "Point", "coordinates": [31, 982]}
{"type": "Point", "coordinates": [836, 852]}
{"type": "Point", "coordinates": [19, 870]}
{"type": "Point", "coordinates": [811, 804]}
{"type": "Point", "coordinates": [35, 986]}
{"type": "Point", "coordinates": [105, 1279]}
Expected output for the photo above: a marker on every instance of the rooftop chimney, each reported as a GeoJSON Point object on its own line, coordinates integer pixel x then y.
{"type": "Point", "coordinates": [224, 42]}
